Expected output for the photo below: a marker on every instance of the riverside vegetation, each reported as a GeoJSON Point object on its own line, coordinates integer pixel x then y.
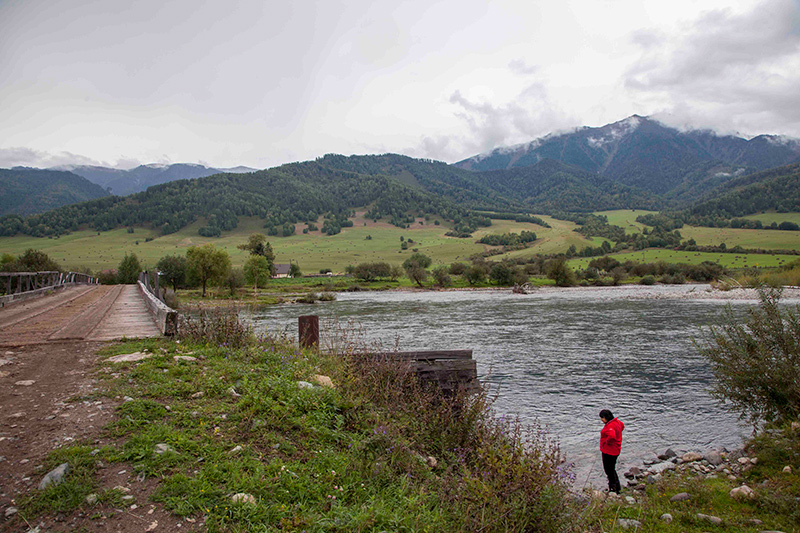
{"type": "Point", "coordinates": [252, 434]}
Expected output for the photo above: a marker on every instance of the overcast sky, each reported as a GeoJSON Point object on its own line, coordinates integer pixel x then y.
{"type": "Point", "coordinates": [265, 82]}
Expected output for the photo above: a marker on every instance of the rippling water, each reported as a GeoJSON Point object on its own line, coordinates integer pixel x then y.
{"type": "Point", "coordinates": [560, 356]}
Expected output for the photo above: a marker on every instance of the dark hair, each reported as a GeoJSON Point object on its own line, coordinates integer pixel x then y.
{"type": "Point", "coordinates": [605, 413]}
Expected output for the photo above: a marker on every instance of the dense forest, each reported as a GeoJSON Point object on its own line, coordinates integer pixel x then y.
{"type": "Point", "coordinates": [285, 195]}
{"type": "Point", "coordinates": [26, 191]}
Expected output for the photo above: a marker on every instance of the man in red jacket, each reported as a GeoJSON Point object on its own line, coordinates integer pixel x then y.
{"type": "Point", "coordinates": [610, 447]}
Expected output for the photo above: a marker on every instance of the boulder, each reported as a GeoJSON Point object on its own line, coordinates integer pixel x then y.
{"type": "Point", "coordinates": [431, 461]}
{"type": "Point", "coordinates": [187, 358]}
{"type": "Point", "coordinates": [742, 493]}
{"type": "Point", "coordinates": [689, 457]}
{"type": "Point", "coordinates": [304, 385]}
{"type": "Point", "coordinates": [660, 468]}
{"type": "Point", "coordinates": [54, 477]}
{"type": "Point", "coordinates": [162, 448]}
{"type": "Point", "coordinates": [681, 497]}
{"type": "Point", "coordinates": [668, 454]}
{"type": "Point", "coordinates": [787, 469]}
{"type": "Point", "coordinates": [666, 517]}
{"type": "Point", "coordinates": [713, 457]}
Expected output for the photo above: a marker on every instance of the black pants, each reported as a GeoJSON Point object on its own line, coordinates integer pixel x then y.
{"type": "Point", "coordinates": [610, 465]}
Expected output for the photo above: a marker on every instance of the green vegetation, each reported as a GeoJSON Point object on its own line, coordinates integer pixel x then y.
{"type": "Point", "coordinates": [757, 364]}
{"type": "Point", "coordinates": [25, 191]}
{"type": "Point", "coordinates": [128, 270]}
{"type": "Point", "coordinates": [207, 264]}
{"type": "Point", "coordinates": [377, 451]}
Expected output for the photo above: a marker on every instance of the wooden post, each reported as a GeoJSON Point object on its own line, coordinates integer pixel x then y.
{"type": "Point", "coordinates": [308, 328]}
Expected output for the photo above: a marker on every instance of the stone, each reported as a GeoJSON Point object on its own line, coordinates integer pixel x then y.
{"type": "Point", "coordinates": [770, 531]}
{"type": "Point", "coordinates": [742, 493]}
{"type": "Point", "coordinates": [681, 497]}
{"type": "Point", "coordinates": [232, 392]}
{"type": "Point", "coordinates": [795, 426]}
{"type": "Point", "coordinates": [713, 457]}
{"type": "Point", "coordinates": [787, 469]}
{"type": "Point", "coordinates": [152, 527]}
{"type": "Point", "coordinates": [323, 381]}
{"type": "Point", "coordinates": [431, 461]}
{"type": "Point", "coordinates": [598, 495]}
{"type": "Point", "coordinates": [128, 498]}
{"type": "Point", "coordinates": [91, 499]}
{"type": "Point", "coordinates": [25, 383]}
{"type": "Point", "coordinates": [754, 460]}
{"type": "Point", "coordinates": [743, 460]}
{"type": "Point", "coordinates": [754, 521]}
{"type": "Point", "coordinates": [198, 394]}
{"type": "Point", "coordinates": [689, 457]}
{"type": "Point", "coordinates": [10, 511]}
{"type": "Point", "coordinates": [633, 472]}
{"type": "Point", "coordinates": [187, 358]}
{"type": "Point", "coordinates": [655, 478]}
{"type": "Point", "coordinates": [129, 357]}
{"type": "Point", "coordinates": [627, 523]}
{"type": "Point", "coordinates": [630, 500]}
{"type": "Point", "coordinates": [162, 448]}
{"type": "Point", "coordinates": [304, 385]}
{"type": "Point", "coordinates": [236, 450]}
{"type": "Point", "coordinates": [244, 498]}
{"type": "Point", "coordinates": [55, 476]}
{"type": "Point", "coordinates": [708, 518]}
{"type": "Point", "coordinates": [121, 488]}
{"type": "Point", "coordinates": [668, 454]}
{"type": "Point", "coordinates": [666, 517]}
{"type": "Point", "coordinates": [661, 467]}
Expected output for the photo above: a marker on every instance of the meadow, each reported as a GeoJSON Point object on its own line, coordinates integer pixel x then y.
{"type": "Point", "coordinates": [369, 241]}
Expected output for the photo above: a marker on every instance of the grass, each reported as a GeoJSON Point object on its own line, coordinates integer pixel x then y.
{"type": "Point", "coordinates": [731, 261]}
{"type": "Point", "coordinates": [315, 251]}
{"type": "Point", "coordinates": [349, 458]}
{"type": "Point", "coordinates": [769, 217]}
{"type": "Point", "coordinates": [626, 219]}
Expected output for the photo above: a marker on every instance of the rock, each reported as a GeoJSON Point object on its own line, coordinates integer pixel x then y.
{"type": "Point", "coordinates": [54, 477]}
{"type": "Point", "coordinates": [655, 478]}
{"type": "Point", "coordinates": [129, 357]}
{"type": "Point", "coordinates": [10, 511]}
{"type": "Point", "coordinates": [244, 498]}
{"type": "Point", "coordinates": [162, 448]}
{"type": "Point", "coordinates": [187, 358]}
{"type": "Point", "coordinates": [787, 469]}
{"type": "Point", "coordinates": [152, 527]}
{"type": "Point", "coordinates": [681, 497]}
{"type": "Point", "coordinates": [668, 454]}
{"type": "Point", "coordinates": [633, 472]}
{"type": "Point", "coordinates": [632, 483]}
{"type": "Point", "coordinates": [754, 521]}
{"type": "Point", "coordinates": [431, 461]}
{"type": "Point", "coordinates": [753, 460]}
{"type": "Point", "coordinates": [627, 523]}
{"type": "Point", "coordinates": [742, 493]}
{"type": "Point", "coordinates": [91, 499]}
{"type": "Point", "coordinates": [304, 385]}
{"type": "Point", "coordinates": [127, 399]}
{"type": "Point", "coordinates": [666, 517]}
{"type": "Point", "coordinates": [198, 394]}
{"type": "Point", "coordinates": [323, 381]}
{"type": "Point", "coordinates": [232, 392]}
{"type": "Point", "coordinates": [631, 500]}
{"type": "Point", "coordinates": [236, 450]}
{"type": "Point", "coordinates": [743, 460]}
{"type": "Point", "coordinates": [708, 518]}
{"type": "Point", "coordinates": [661, 467]}
{"type": "Point", "coordinates": [770, 531]}
{"type": "Point", "coordinates": [689, 457]}
{"type": "Point", "coordinates": [795, 426]}
{"type": "Point", "coordinates": [25, 382]}
{"type": "Point", "coordinates": [129, 498]}
{"type": "Point", "coordinates": [713, 457]}
{"type": "Point", "coordinates": [121, 488]}
{"type": "Point", "coordinates": [598, 495]}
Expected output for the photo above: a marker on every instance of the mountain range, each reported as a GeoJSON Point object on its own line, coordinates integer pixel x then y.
{"type": "Point", "coordinates": [636, 163]}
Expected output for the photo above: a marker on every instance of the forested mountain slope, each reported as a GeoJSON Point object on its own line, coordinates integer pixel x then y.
{"type": "Point", "coordinates": [26, 191]}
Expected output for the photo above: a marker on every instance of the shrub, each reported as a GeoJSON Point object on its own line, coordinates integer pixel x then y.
{"type": "Point", "coordinates": [648, 280]}
{"type": "Point", "coordinates": [219, 325]}
{"type": "Point", "coordinates": [757, 364]}
{"type": "Point", "coordinates": [441, 276]}
{"type": "Point", "coordinates": [559, 271]}
{"type": "Point", "coordinates": [128, 270]}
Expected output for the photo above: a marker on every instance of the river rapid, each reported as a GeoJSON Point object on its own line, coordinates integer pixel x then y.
{"type": "Point", "coordinates": [558, 356]}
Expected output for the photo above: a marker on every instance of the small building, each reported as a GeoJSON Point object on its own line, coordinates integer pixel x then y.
{"type": "Point", "coordinates": [282, 271]}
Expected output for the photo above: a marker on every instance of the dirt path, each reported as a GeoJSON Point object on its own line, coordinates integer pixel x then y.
{"type": "Point", "coordinates": [46, 402]}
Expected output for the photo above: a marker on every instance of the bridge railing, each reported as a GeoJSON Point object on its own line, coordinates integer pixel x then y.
{"type": "Point", "coordinates": [166, 318]}
{"type": "Point", "coordinates": [22, 285]}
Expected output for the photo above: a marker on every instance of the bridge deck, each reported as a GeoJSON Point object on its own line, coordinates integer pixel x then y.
{"type": "Point", "coordinates": [95, 312]}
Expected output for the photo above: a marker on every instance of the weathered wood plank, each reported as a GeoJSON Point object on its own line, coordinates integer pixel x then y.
{"type": "Point", "coordinates": [428, 355]}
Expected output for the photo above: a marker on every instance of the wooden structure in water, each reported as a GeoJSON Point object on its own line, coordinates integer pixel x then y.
{"type": "Point", "coordinates": [450, 370]}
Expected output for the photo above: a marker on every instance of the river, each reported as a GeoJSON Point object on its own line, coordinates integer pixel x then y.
{"type": "Point", "coordinates": [559, 356]}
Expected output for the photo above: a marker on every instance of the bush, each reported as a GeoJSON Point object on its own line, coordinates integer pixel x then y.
{"type": "Point", "coordinates": [559, 271]}
{"type": "Point", "coordinates": [128, 270]}
{"type": "Point", "coordinates": [757, 364]}
{"type": "Point", "coordinates": [648, 280]}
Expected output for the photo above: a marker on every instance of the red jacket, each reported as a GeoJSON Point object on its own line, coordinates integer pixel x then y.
{"type": "Point", "coordinates": [611, 437]}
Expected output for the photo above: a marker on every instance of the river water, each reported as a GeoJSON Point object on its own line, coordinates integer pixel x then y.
{"type": "Point", "coordinates": [559, 356]}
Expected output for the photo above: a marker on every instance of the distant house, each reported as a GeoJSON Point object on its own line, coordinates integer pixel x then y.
{"type": "Point", "coordinates": [282, 271]}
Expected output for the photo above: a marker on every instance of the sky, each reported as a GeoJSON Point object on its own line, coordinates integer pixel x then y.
{"type": "Point", "coordinates": [264, 82]}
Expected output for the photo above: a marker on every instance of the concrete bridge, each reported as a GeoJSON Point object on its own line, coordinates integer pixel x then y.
{"type": "Point", "coordinates": [81, 312]}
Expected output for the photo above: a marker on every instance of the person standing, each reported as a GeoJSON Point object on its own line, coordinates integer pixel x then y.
{"type": "Point", "coordinates": [610, 447]}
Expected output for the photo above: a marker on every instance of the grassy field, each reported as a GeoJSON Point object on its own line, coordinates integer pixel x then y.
{"type": "Point", "coordinates": [694, 258]}
{"type": "Point", "coordinates": [314, 251]}
{"type": "Point", "coordinates": [770, 217]}
{"type": "Point", "coordinates": [626, 218]}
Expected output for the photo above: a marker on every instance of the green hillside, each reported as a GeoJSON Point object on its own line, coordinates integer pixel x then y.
{"type": "Point", "coordinates": [26, 191]}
